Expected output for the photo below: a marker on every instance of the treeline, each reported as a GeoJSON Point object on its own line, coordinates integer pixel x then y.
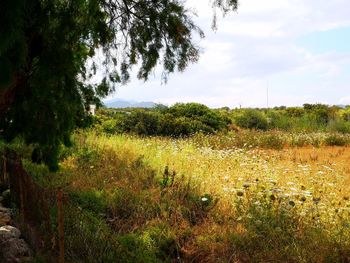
{"type": "Point", "coordinates": [309, 118]}
{"type": "Point", "coordinates": [184, 119]}
{"type": "Point", "coordinates": [178, 120]}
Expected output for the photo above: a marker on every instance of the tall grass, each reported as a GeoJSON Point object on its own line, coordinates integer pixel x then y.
{"type": "Point", "coordinates": [201, 200]}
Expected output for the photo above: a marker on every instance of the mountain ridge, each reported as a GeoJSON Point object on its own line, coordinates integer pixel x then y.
{"type": "Point", "coordinates": [119, 103]}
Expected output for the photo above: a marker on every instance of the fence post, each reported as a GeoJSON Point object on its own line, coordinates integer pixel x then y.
{"type": "Point", "coordinates": [60, 225]}
{"type": "Point", "coordinates": [5, 171]}
{"type": "Point", "coordinates": [21, 198]}
{"type": "Point", "coordinates": [3, 177]}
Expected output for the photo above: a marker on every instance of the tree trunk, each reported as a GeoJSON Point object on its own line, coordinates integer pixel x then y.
{"type": "Point", "coordinates": [8, 94]}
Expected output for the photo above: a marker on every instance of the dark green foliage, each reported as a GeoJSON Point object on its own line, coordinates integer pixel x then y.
{"type": "Point", "coordinates": [339, 125]}
{"type": "Point", "coordinates": [143, 122]}
{"type": "Point", "coordinates": [295, 112]}
{"type": "Point", "coordinates": [92, 200]}
{"type": "Point", "coordinates": [310, 118]}
{"type": "Point", "coordinates": [45, 81]}
{"type": "Point", "coordinates": [322, 113]}
{"type": "Point", "coordinates": [178, 120]}
{"type": "Point", "coordinates": [336, 140]}
{"type": "Point", "coordinates": [135, 249]}
{"type": "Point", "coordinates": [185, 119]}
{"type": "Point", "coordinates": [6, 195]}
{"type": "Point", "coordinates": [252, 119]}
{"type": "Point", "coordinates": [200, 112]}
{"type": "Point", "coordinates": [164, 242]}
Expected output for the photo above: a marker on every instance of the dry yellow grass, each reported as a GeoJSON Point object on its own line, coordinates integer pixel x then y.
{"type": "Point", "coordinates": [297, 172]}
{"type": "Point", "coordinates": [257, 189]}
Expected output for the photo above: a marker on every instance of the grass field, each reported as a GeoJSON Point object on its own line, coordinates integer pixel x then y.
{"type": "Point", "coordinates": [181, 200]}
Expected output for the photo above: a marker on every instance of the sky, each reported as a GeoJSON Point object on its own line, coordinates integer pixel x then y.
{"type": "Point", "coordinates": [267, 53]}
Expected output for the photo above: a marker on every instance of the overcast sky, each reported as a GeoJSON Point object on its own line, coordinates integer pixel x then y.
{"type": "Point", "coordinates": [297, 49]}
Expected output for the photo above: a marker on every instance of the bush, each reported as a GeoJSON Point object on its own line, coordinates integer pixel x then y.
{"type": "Point", "coordinates": [272, 140]}
{"type": "Point", "coordinates": [143, 122]}
{"type": "Point", "coordinates": [189, 110]}
{"type": "Point", "coordinates": [295, 112]}
{"type": "Point", "coordinates": [178, 120]}
{"type": "Point", "coordinates": [336, 140]}
{"type": "Point", "coordinates": [278, 120]}
{"type": "Point", "coordinates": [339, 126]}
{"type": "Point", "coordinates": [195, 111]}
{"type": "Point", "coordinates": [171, 126]}
{"type": "Point", "coordinates": [109, 126]}
{"type": "Point", "coordinates": [252, 119]}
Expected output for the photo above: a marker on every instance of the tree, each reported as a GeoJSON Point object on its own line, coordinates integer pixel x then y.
{"type": "Point", "coordinates": [49, 49]}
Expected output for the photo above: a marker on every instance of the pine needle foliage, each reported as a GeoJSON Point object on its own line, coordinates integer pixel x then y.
{"type": "Point", "coordinates": [49, 51]}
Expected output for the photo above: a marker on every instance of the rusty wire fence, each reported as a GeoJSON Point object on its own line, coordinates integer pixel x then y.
{"type": "Point", "coordinates": [34, 205]}
{"type": "Point", "coordinates": [51, 222]}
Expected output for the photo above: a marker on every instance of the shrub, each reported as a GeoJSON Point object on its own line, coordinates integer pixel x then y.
{"type": "Point", "coordinates": [339, 126]}
{"type": "Point", "coordinates": [195, 111]}
{"type": "Point", "coordinates": [278, 120]}
{"type": "Point", "coordinates": [179, 126]}
{"type": "Point", "coordinates": [336, 140]}
{"type": "Point", "coordinates": [252, 119]}
{"type": "Point", "coordinates": [272, 140]}
{"type": "Point", "coordinates": [109, 126]}
{"type": "Point", "coordinates": [189, 110]}
{"type": "Point", "coordinates": [178, 120]}
{"type": "Point", "coordinates": [295, 111]}
{"type": "Point", "coordinates": [143, 122]}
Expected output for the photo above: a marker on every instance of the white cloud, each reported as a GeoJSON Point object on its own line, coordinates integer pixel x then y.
{"type": "Point", "coordinates": [345, 100]}
{"type": "Point", "coordinates": [252, 46]}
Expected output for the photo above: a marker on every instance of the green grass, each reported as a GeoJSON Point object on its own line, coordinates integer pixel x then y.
{"type": "Point", "coordinates": [199, 199]}
{"type": "Point", "coordinates": [217, 198]}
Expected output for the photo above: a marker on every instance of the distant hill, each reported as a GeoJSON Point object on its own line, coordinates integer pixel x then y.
{"type": "Point", "coordinates": [118, 103]}
{"type": "Point", "coordinates": [341, 106]}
